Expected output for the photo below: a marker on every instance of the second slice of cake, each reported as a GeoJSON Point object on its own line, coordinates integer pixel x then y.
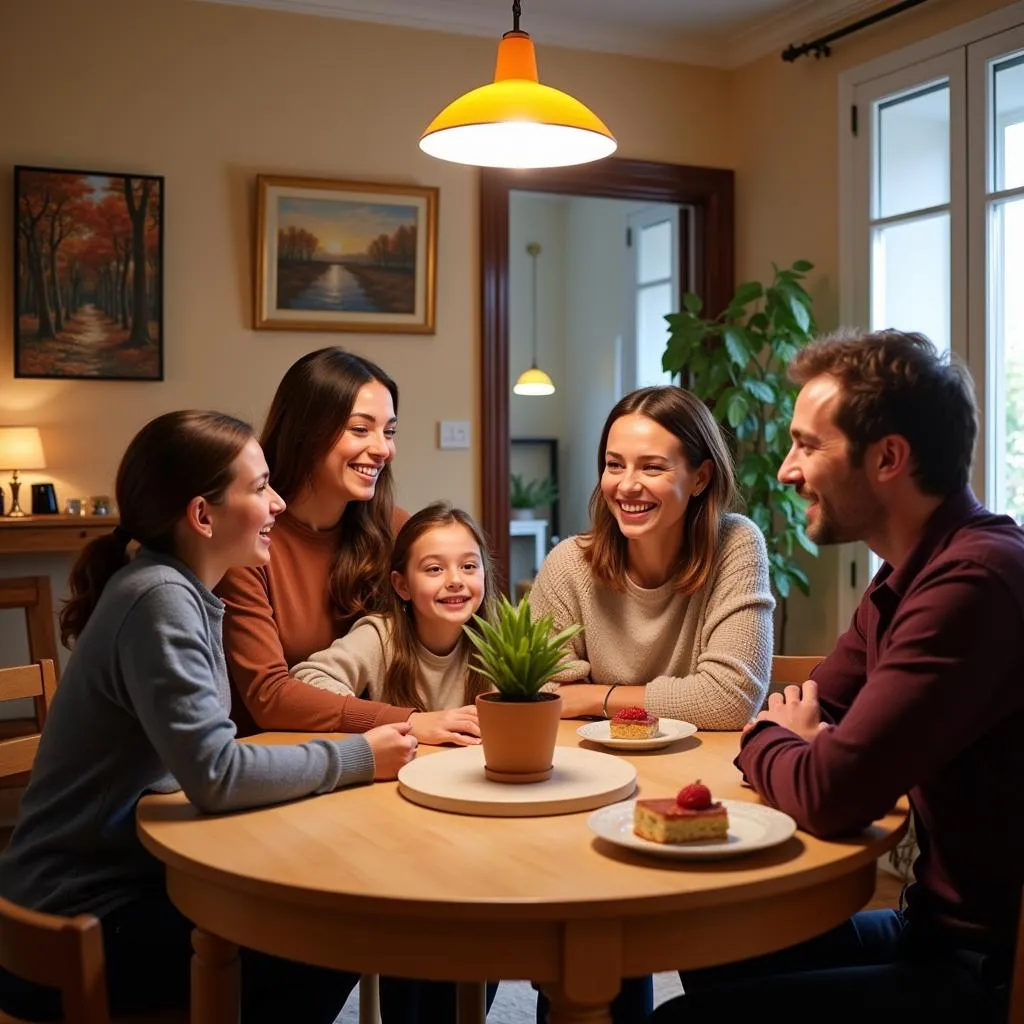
{"type": "Point", "coordinates": [633, 724]}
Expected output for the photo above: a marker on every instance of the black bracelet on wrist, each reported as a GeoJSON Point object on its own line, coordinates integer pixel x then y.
{"type": "Point", "coordinates": [604, 704]}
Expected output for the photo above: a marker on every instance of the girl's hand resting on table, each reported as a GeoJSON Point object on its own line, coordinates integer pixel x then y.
{"type": "Point", "coordinates": [458, 725]}
{"type": "Point", "coordinates": [393, 746]}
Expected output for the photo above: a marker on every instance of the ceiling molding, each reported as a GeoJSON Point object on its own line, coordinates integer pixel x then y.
{"type": "Point", "coordinates": [629, 38]}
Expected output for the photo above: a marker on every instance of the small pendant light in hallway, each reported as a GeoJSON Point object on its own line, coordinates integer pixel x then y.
{"type": "Point", "coordinates": [534, 381]}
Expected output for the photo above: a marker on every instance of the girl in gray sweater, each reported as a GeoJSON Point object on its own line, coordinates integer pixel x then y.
{"type": "Point", "coordinates": [143, 707]}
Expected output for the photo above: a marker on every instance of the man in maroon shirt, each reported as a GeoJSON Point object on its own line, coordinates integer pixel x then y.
{"type": "Point", "coordinates": [923, 694]}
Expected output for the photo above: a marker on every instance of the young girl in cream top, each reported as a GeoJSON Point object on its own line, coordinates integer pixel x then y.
{"type": "Point", "coordinates": [417, 655]}
{"type": "Point", "coordinates": [671, 589]}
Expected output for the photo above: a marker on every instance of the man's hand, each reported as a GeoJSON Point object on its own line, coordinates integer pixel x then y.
{"type": "Point", "coordinates": [795, 709]}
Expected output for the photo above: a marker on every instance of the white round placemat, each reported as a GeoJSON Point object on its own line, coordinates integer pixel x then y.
{"type": "Point", "coordinates": [454, 781]}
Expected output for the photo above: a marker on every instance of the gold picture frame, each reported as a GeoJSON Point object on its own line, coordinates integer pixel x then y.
{"type": "Point", "coordinates": [345, 256]}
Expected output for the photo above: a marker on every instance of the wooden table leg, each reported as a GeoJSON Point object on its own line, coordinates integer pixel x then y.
{"type": "Point", "coordinates": [369, 999]}
{"type": "Point", "coordinates": [567, 1011]}
{"type": "Point", "coordinates": [591, 973]}
{"type": "Point", "coordinates": [215, 980]}
{"type": "Point", "coordinates": [472, 1002]}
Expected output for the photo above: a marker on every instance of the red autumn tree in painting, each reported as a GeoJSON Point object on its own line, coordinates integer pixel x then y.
{"type": "Point", "coordinates": [88, 299]}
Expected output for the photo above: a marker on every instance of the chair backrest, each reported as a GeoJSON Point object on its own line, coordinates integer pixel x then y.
{"type": "Point", "coordinates": [793, 668]}
{"type": "Point", "coordinates": [38, 682]}
{"type": "Point", "coordinates": [33, 594]}
{"type": "Point", "coordinates": [63, 952]}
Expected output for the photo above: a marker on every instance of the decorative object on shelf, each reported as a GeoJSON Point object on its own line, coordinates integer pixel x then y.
{"type": "Point", "coordinates": [737, 364]}
{"type": "Point", "coordinates": [524, 497]}
{"type": "Point", "coordinates": [100, 504]}
{"type": "Point", "coordinates": [345, 256]}
{"type": "Point", "coordinates": [533, 381]}
{"type": "Point", "coordinates": [515, 121]}
{"type": "Point", "coordinates": [44, 500]}
{"type": "Point", "coordinates": [88, 274]}
{"type": "Point", "coordinates": [20, 448]}
{"type": "Point", "coordinates": [518, 720]}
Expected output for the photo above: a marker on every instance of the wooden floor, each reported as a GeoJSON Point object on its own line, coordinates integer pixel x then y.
{"type": "Point", "coordinates": [887, 892]}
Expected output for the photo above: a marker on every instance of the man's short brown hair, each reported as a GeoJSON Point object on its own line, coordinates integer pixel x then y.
{"type": "Point", "coordinates": [896, 382]}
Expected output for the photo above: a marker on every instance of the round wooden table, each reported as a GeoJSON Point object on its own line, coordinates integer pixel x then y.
{"type": "Point", "coordinates": [363, 880]}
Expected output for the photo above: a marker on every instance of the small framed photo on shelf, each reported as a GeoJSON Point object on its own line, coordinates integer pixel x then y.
{"type": "Point", "coordinates": [88, 274]}
{"type": "Point", "coordinates": [345, 256]}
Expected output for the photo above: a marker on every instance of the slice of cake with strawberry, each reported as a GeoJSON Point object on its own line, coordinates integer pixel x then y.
{"type": "Point", "coordinates": [633, 724]}
{"type": "Point", "coordinates": [690, 817]}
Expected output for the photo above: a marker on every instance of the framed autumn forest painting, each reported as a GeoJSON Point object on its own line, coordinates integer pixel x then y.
{"type": "Point", "coordinates": [345, 256]}
{"type": "Point", "coordinates": [88, 274]}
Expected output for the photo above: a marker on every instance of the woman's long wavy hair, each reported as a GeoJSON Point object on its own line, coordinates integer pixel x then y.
{"type": "Point", "coordinates": [171, 460]}
{"type": "Point", "coordinates": [402, 683]}
{"type": "Point", "coordinates": [310, 410]}
{"type": "Point", "coordinates": [687, 418]}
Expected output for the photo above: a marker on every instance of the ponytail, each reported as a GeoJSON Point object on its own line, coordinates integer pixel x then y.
{"type": "Point", "coordinates": [92, 570]}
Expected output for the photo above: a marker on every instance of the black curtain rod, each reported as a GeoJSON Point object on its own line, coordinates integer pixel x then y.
{"type": "Point", "coordinates": [820, 48]}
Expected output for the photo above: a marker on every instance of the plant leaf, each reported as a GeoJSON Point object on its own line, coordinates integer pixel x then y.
{"type": "Point", "coordinates": [736, 345]}
{"type": "Point", "coordinates": [692, 303]}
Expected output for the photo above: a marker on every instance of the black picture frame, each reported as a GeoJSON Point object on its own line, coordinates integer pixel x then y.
{"type": "Point", "coordinates": [79, 237]}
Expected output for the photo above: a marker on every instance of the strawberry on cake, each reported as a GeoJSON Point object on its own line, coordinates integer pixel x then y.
{"type": "Point", "coordinates": [690, 817]}
{"type": "Point", "coordinates": [633, 724]}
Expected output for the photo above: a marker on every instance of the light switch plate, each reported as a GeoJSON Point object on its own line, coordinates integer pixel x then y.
{"type": "Point", "coordinates": [453, 434]}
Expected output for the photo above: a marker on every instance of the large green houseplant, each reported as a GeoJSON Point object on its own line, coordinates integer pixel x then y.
{"type": "Point", "coordinates": [518, 719]}
{"type": "Point", "coordinates": [736, 362]}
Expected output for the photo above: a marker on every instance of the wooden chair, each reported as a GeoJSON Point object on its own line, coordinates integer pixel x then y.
{"type": "Point", "coordinates": [17, 752]}
{"type": "Point", "coordinates": [793, 668]}
{"type": "Point", "coordinates": [65, 953]}
{"type": "Point", "coordinates": [33, 594]}
{"type": "Point", "coordinates": [789, 668]}
{"type": "Point", "coordinates": [38, 682]}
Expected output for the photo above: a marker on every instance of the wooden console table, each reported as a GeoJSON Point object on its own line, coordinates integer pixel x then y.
{"type": "Point", "coordinates": [51, 534]}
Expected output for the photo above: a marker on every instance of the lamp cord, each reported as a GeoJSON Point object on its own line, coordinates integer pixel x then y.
{"type": "Point", "coordinates": [517, 10]}
{"type": "Point", "coordinates": [533, 249]}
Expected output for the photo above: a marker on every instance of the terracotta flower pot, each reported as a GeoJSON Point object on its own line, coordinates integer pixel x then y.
{"type": "Point", "coordinates": [518, 737]}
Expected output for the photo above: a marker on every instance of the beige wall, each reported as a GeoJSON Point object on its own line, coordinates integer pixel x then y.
{"type": "Point", "coordinates": [210, 95]}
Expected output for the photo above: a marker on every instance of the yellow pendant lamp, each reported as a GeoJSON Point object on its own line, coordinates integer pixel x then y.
{"type": "Point", "coordinates": [534, 381]}
{"type": "Point", "coordinates": [515, 121]}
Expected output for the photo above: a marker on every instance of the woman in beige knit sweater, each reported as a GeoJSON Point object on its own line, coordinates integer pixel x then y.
{"type": "Point", "coordinates": [671, 589]}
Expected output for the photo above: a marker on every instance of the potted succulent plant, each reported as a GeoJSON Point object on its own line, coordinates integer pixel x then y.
{"type": "Point", "coordinates": [518, 719]}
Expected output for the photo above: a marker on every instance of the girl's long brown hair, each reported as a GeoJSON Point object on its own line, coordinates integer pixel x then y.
{"type": "Point", "coordinates": [687, 418]}
{"type": "Point", "coordinates": [310, 410]}
{"type": "Point", "coordinates": [402, 683]}
{"type": "Point", "coordinates": [171, 460]}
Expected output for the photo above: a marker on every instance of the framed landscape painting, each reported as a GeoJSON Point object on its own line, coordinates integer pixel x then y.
{"type": "Point", "coordinates": [345, 256]}
{"type": "Point", "coordinates": [88, 274]}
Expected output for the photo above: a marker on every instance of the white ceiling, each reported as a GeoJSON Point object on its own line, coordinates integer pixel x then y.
{"type": "Point", "coordinates": [719, 33]}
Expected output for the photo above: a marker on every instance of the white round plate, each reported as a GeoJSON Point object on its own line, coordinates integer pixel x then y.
{"type": "Point", "coordinates": [751, 827]}
{"type": "Point", "coordinates": [669, 731]}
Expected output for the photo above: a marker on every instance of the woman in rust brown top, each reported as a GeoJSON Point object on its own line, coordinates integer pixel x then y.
{"type": "Point", "coordinates": [329, 440]}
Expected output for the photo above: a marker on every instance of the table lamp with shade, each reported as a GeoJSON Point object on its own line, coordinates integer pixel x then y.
{"type": "Point", "coordinates": [20, 448]}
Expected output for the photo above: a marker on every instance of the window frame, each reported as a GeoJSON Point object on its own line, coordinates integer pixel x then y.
{"type": "Point", "coordinates": [968, 238]}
